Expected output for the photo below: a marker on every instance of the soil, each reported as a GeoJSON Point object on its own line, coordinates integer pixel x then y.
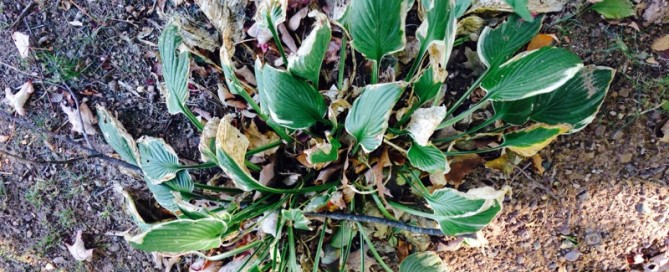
{"type": "Point", "coordinates": [602, 202]}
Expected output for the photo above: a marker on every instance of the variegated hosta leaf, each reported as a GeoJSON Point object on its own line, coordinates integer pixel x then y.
{"type": "Point", "coordinates": [377, 26]}
{"type": "Point", "coordinates": [271, 13]}
{"type": "Point", "coordinates": [297, 218]}
{"type": "Point", "coordinates": [575, 103]}
{"type": "Point", "coordinates": [461, 7]}
{"type": "Point", "coordinates": [175, 69]}
{"type": "Point", "coordinates": [306, 63]}
{"type": "Point", "coordinates": [181, 236]}
{"type": "Point", "coordinates": [163, 195]}
{"type": "Point", "coordinates": [367, 120]}
{"type": "Point", "coordinates": [132, 208]}
{"type": "Point", "coordinates": [181, 183]}
{"type": "Point", "coordinates": [427, 87]}
{"type": "Point", "coordinates": [428, 158]}
{"type": "Point", "coordinates": [530, 140]}
{"type": "Point", "coordinates": [459, 212]}
{"type": "Point", "coordinates": [158, 160]}
{"type": "Point", "coordinates": [424, 122]}
{"type": "Point", "coordinates": [520, 8]}
{"type": "Point", "coordinates": [288, 100]}
{"type": "Point", "coordinates": [424, 262]}
{"type": "Point", "coordinates": [228, 68]}
{"type": "Point", "coordinates": [496, 46]}
{"type": "Point", "coordinates": [324, 153]}
{"type": "Point", "coordinates": [117, 137]}
{"type": "Point", "coordinates": [207, 145]}
{"type": "Point", "coordinates": [437, 34]}
{"type": "Point", "coordinates": [531, 73]}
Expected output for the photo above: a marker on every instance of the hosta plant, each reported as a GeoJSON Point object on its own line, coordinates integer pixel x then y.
{"type": "Point", "coordinates": [358, 152]}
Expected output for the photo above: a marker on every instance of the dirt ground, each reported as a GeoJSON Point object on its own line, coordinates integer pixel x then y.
{"type": "Point", "coordinates": [602, 202]}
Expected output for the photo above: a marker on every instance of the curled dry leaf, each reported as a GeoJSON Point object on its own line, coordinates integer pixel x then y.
{"type": "Point", "coordinates": [79, 125]}
{"type": "Point", "coordinates": [661, 44]}
{"type": "Point", "coordinates": [202, 265]}
{"type": "Point", "coordinates": [665, 131]}
{"type": "Point", "coordinates": [269, 223]}
{"type": "Point", "coordinates": [258, 139]}
{"type": "Point", "coordinates": [296, 19]}
{"type": "Point", "coordinates": [22, 42]}
{"type": "Point", "coordinates": [461, 166]}
{"type": "Point", "coordinates": [542, 40]}
{"type": "Point", "coordinates": [226, 16]}
{"type": "Point", "coordinates": [537, 162]}
{"type": "Point", "coordinates": [78, 249]}
{"type": "Point", "coordinates": [424, 122]}
{"type": "Point", "coordinates": [535, 6]}
{"type": "Point", "coordinates": [505, 163]}
{"type": "Point", "coordinates": [18, 100]}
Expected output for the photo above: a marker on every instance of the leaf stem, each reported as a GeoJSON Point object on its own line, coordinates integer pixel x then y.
{"type": "Point", "coordinates": [317, 258]}
{"type": "Point", "coordinates": [381, 207]}
{"type": "Point", "coordinates": [376, 220]}
{"type": "Point", "coordinates": [373, 249]}
{"type": "Point", "coordinates": [277, 40]}
{"type": "Point", "coordinates": [416, 63]}
{"type": "Point", "coordinates": [229, 253]}
{"type": "Point", "coordinates": [263, 148]}
{"type": "Point", "coordinates": [200, 166]}
{"type": "Point", "coordinates": [191, 117]}
{"type": "Point", "coordinates": [468, 132]}
{"type": "Point", "coordinates": [454, 153]}
{"type": "Point", "coordinates": [467, 93]}
{"type": "Point", "coordinates": [462, 115]}
{"type": "Point", "coordinates": [342, 62]}
{"type": "Point", "coordinates": [217, 188]}
{"type": "Point", "coordinates": [375, 71]}
{"type": "Point", "coordinates": [391, 144]}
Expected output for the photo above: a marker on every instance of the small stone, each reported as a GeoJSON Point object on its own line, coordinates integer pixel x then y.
{"type": "Point", "coordinates": [572, 256]}
{"type": "Point", "coordinates": [49, 267]}
{"type": "Point", "coordinates": [537, 245]}
{"type": "Point", "coordinates": [613, 113]}
{"type": "Point", "coordinates": [520, 259]}
{"type": "Point", "coordinates": [600, 130]}
{"type": "Point", "coordinates": [593, 238]}
{"type": "Point", "coordinates": [624, 92]}
{"type": "Point", "coordinates": [59, 260]}
{"type": "Point", "coordinates": [625, 158]}
{"type": "Point", "coordinates": [114, 247]}
{"type": "Point", "coordinates": [566, 244]}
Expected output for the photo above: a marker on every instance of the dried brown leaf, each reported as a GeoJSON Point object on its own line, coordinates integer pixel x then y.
{"type": "Point", "coordinates": [79, 125]}
{"type": "Point", "coordinates": [461, 166]}
{"type": "Point", "coordinates": [18, 100]}
{"type": "Point", "coordinates": [22, 42]}
{"type": "Point", "coordinates": [78, 249]}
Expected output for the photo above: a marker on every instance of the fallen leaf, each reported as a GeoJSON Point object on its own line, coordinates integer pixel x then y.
{"type": "Point", "coordinates": [537, 163]}
{"type": "Point", "coordinates": [18, 100]}
{"type": "Point", "coordinates": [202, 265]}
{"type": "Point", "coordinates": [194, 35]}
{"type": "Point", "coordinates": [461, 166]}
{"type": "Point", "coordinates": [355, 261]}
{"type": "Point", "coordinates": [287, 38]}
{"type": "Point", "coordinates": [4, 138]}
{"type": "Point", "coordinates": [505, 163]}
{"type": "Point", "coordinates": [296, 19]}
{"type": "Point", "coordinates": [227, 16]}
{"type": "Point", "coordinates": [76, 23]}
{"type": "Point", "coordinates": [541, 40]}
{"type": "Point", "coordinates": [258, 139]}
{"type": "Point", "coordinates": [78, 249]}
{"type": "Point", "coordinates": [661, 44]}
{"type": "Point", "coordinates": [269, 223]}
{"type": "Point", "coordinates": [424, 122]}
{"type": "Point", "coordinates": [22, 42]}
{"type": "Point", "coordinates": [79, 125]}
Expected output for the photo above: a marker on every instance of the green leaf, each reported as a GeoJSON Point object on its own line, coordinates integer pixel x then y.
{"type": "Point", "coordinates": [436, 34]}
{"type": "Point", "coordinates": [458, 212]}
{"type": "Point", "coordinates": [428, 158]}
{"type": "Point", "coordinates": [288, 100]}
{"type": "Point", "coordinates": [424, 262]}
{"type": "Point", "coordinates": [368, 118]}
{"type": "Point", "coordinates": [131, 209]}
{"type": "Point", "coordinates": [181, 236]}
{"type": "Point", "coordinates": [377, 26]}
{"type": "Point", "coordinates": [175, 69]}
{"type": "Point", "coordinates": [297, 218]}
{"type": "Point", "coordinates": [461, 7]}
{"type": "Point", "coordinates": [530, 140]}
{"type": "Point", "coordinates": [575, 103]}
{"type": "Point", "coordinates": [324, 153]}
{"type": "Point", "coordinates": [614, 9]}
{"type": "Point", "coordinates": [531, 73]}
{"type": "Point", "coordinates": [520, 8]}
{"type": "Point", "coordinates": [342, 238]}
{"type": "Point", "coordinates": [231, 146]}
{"type": "Point", "coordinates": [665, 105]}
{"type": "Point", "coordinates": [271, 13]}
{"type": "Point", "coordinates": [181, 183]}
{"type": "Point", "coordinates": [159, 162]}
{"type": "Point", "coordinates": [164, 195]}
{"type": "Point", "coordinates": [117, 137]}
{"type": "Point", "coordinates": [427, 87]}
{"type": "Point", "coordinates": [496, 46]}
{"type": "Point", "coordinates": [306, 63]}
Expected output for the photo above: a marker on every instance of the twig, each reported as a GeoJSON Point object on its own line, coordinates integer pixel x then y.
{"type": "Point", "coordinates": [90, 151]}
{"type": "Point", "coordinates": [377, 220]}
{"type": "Point", "coordinates": [23, 14]}
{"type": "Point", "coordinates": [25, 160]}
{"type": "Point", "coordinates": [81, 119]}
{"type": "Point", "coordinates": [536, 183]}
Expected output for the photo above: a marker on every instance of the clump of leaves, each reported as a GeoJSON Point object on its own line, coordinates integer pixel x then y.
{"type": "Point", "coordinates": [308, 153]}
{"type": "Point", "coordinates": [614, 9]}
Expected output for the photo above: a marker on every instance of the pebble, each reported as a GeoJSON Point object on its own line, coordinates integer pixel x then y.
{"type": "Point", "coordinates": [613, 113]}
{"type": "Point", "coordinates": [599, 131]}
{"type": "Point", "coordinates": [59, 260]}
{"type": "Point", "coordinates": [593, 238]}
{"type": "Point", "coordinates": [114, 247]}
{"type": "Point", "coordinates": [572, 256]}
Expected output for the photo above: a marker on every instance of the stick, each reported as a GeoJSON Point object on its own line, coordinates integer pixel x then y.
{"type": "Point", "coordinates": [22, 159]}
{"type": "Point", "coordinates": [23, 14]}
{"type": "Point", "coordinates": [91, 152]}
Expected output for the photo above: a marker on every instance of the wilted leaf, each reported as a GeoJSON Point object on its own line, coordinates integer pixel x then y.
{"type": "Point", "coordinates": [423, 262]}
{"type": "Point", "coordinates": [437, 35]}
{"type": "Point", "coordinates": [424, 122]}
{"type": "Point", "coordinates": [661, 44]}
{"type": "Point", "coordinates": [297, 218]}
{"type": "Point", "coordinates": [534, 6]}
{"type": "Point", "coordinates": [614, 9]}
{"type": "Point", "coordinates": [18, 100]}
{"type": "Point", "coordinates": [306, 62]}
{"type": "Point", "coordinates": [377, 26]}
{"type": "Point", "coordinates": [86, 121]}
{"type": "Point", "coordinates": [537, 163]}
{"type": "Point", "coordinates": [227, 16]}
{"type": "Point", "coordinates": [541, 40]}
{"type": "Point", "coordinates": [78, 249]}
{"type": "Point", "coordinates": [367, 120]}
{"type": "Point", "coordinates": [181, 235]}
{"type": "Point", "coordinates": [207, 145]}
{"type": "Point", "coordinates": [116, 136]}
{"type": "Point", "coordinates": [195, 36]}
{"type": "Point", "coordinates": [258, 139]}
{"type": "Point", "coordinates": [324, 152]}
{"type": "Point", "coordinates": [22, 42]}
{"type": "Point", "coordinates": [175, 70]}
{"type": "Point", "coordinates": [461, 166]}
{"type": "Point", "coordinates": [158, 160]}
{"type": "Point", "coordinates": [505, 163]}
{"type": "Point", "coordinates": [665, 131]}
{"type": "Point", "coordinates": [527, 142]}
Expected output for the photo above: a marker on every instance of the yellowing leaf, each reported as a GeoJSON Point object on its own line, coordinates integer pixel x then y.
{"type": "Point", "coordinates": [78, 250]}
{"type": "Point", "coordinates": [541, 40]}
{"type": "Point", "coordinates": [529, 141]}
{"type": "Point", "coordinates": [207, 140]}
{"type": "Point", "coordinates": [19, 99]}
{"type": "Point", "coordinates": [232, 142]}
{"type": "Point", "coordinates": [22, 42]}
{"type": "Point", "coordinates": [505, 163]}
{"type": "Point", "coordinates": [424, 122]}
{"type": "Point", "coordinates": [661, 44]}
